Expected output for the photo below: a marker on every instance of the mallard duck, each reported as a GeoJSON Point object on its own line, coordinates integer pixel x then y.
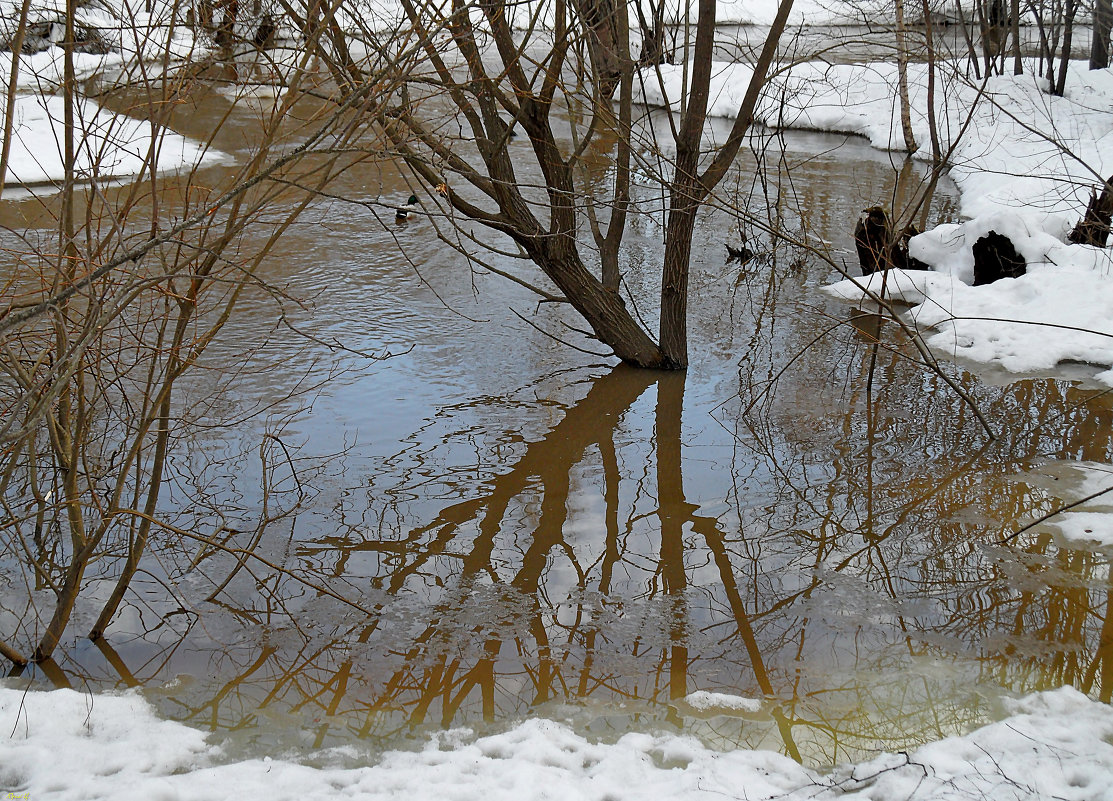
{"type": "Point", "coordinates": [741, 255]}
{"type": "Point", "coordinates": [403, 212]}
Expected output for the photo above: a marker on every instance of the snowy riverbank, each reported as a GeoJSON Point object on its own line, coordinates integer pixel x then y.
{"type": "Point", "coordinates": [128, 42]}
{"type": "Point", "coordinates": [112, 146]}
{"type": "Point", "coordinates": [66, 745]}
{"type": "Point", "coordinates": [1025, 163]}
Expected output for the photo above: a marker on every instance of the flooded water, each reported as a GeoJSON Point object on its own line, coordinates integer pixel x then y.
{"type": "Point", "coordinates": [489, 525]}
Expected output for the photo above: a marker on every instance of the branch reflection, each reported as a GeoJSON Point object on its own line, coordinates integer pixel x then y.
{"type": "Point", "coordinates": [596, 574]}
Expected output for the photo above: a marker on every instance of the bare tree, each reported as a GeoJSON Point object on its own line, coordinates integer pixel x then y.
{"type": "Point", "coordinates": [1055, 24]}
{"type": "Point", "coordinates": [559, 72]}
{"type": "Point", "coordinates": [902, 79]}
{"type": "Point", "coordinates": [103, 319]}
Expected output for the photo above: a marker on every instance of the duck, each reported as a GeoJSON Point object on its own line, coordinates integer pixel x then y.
{"type": "Point", "coordinates": [740, 255]}
{"type": "Point", "coordinates": [403, 212]}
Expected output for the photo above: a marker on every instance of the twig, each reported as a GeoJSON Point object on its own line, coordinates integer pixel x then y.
{"type": "Point", "coordinates": [1049, 515]}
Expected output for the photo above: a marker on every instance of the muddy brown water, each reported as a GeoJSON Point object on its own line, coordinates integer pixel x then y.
{"type": "Point", "coordinates": [533, 531]}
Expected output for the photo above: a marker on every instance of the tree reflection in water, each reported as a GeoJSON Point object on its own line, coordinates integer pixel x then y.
{"type": "Point", "coordinates": [828, 549]}
{"type": "Point", "coordinates": [583, 581]}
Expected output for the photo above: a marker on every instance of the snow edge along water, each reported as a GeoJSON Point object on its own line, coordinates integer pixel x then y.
{"type": "Point", "coordinates": [67, 745]}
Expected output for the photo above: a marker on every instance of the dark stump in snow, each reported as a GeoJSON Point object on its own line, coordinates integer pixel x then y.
{"type": "Point", "coordinates": [878, 249]}
{"type": "Point", "coordinates": [265, 33]}
{"type": "Point", "coordinates": [995, 257]}
{"type": "Point", "coordinates": [37, 37]}
{"type": "Point", "coordinates": [1093, 228]}
{"type": "Point", "coordinates": [90, 40]}
{"type": "Point", "coordinates": [871, 240]}
{"type": "Point", "coordinates": [898, 253]}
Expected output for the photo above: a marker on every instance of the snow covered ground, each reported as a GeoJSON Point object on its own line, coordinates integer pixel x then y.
{"type": "Point", "coordinates": [1025, 163]}
{"type": "Point", "coordinates": [111, 145]}
{"type": "Point", "coordinates": [131, 34]}
{"type": "Point", "coordinates": [66, 745]}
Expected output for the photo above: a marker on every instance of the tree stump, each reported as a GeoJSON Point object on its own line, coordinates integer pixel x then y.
{"type": "Point", "coordinates": [871, 240]}
{"type": "Point", "coordinates": [898, 253]}
{"type": "Point", "coordinates": [265, 33]}
{"type": "Point", "coordinates": [995, 257]}
{"type": "Point", "coordinates": [1093, 228]}
{"type": "Point", "coordinates": [878, 249]}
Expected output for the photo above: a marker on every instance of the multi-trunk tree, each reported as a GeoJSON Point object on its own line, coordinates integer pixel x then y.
{"type": "Point", "coordinates": [565, 76]}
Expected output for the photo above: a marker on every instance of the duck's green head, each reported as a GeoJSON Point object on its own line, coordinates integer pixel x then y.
{"type": "Point", "coordinates": [412, 201]}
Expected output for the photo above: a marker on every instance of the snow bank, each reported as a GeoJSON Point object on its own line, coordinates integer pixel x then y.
{"type": "Point", "coordinates": [111, 145]}
{"type": "Point", "coordinates": [65, 745]}
{"type": "Point", "coordinates": [1021, 146]}
{"type": "Point", "coordinates": [1025, 163]}
{"type": "Point", "coordinates": [1056, 314]}
{"type": "Point", "coordinates": [706, 703]}
{"type": "Point", "coordinates": [130, 30]}
{"type": "Point", "coordinates": [899, 286]}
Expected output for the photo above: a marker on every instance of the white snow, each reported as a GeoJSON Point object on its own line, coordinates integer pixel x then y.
{"type": "Point", "coordinates": [1085, 527]}
{"type": "Point", "coordinates": [706, 703]}
{"type": "Point", "coordinates": [67, 745]}
{"type": "Point", "coordinates": [900, 286]}
{"type": "Point", "coordinates": [111, 145]}
{"type": "Point", "coordinates": [1025, 164]}
{"type": "Point", "coordinates": [1057, 314]}
{"type": "Point", "coordinates": [1013, 144]}
{"type": "Point", "coordinates": [126, 27]}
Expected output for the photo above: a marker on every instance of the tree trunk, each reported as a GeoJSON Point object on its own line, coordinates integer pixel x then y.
{"type": "Point", "coordinates": [1103, 24]}
{"type": "Point", "coordinates": [652, 33]}
{"type": "Point", "coordinates": [688, 190]}
{"type": "Point", "coordinates": [995, 33]}
{"type": "Point", "coordinates": [1060, 85]}
{"type": "Point", "coordinates": [929, 55]}
{"type": "Point", "coordinates": [685, 197]}
{"type": "Point", "coordinates": [603, 309]}
{"type": "Point", "coordinates": [601, 17]}
{"type": "Point", "coordinates": [971, 55]}
{"type": "Point", "coordinates": [1093, 228]}
{"type": "Point", "coordinates": [902, 80]}
{"type": "Point", "coordinates": [610, 245]}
